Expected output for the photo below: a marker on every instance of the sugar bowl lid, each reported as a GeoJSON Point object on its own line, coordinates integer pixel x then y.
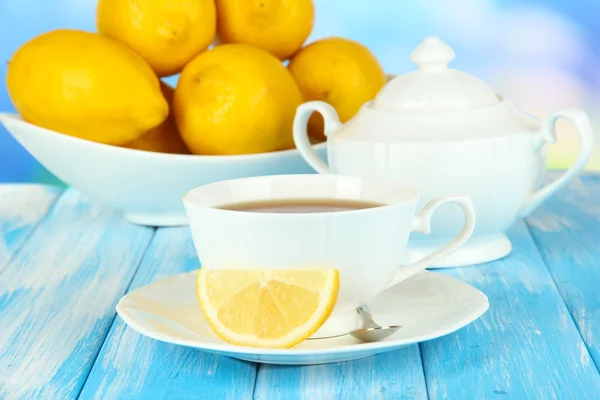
{"type": "Point", "coordinates": [434, 87]}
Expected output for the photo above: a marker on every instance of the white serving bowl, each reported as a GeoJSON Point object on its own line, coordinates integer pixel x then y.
{"type": "Point", "coordinates": [148, 187]}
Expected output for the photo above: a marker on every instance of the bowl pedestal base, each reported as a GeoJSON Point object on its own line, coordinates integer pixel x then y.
{"type": "Point", "coordinates": [157, 218]}
{"type": "Point", "coordinates": [475, 251]}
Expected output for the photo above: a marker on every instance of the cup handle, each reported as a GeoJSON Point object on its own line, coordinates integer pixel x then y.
{"type": "Point", "coordinates": [586, 137]}
{"type": "Point", "coordinates": [332, 124]}
{"type": "Point", "coordinates": [422, 223]}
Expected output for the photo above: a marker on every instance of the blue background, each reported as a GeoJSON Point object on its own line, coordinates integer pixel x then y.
{"type": "Point", "coordinates": [541, 54]}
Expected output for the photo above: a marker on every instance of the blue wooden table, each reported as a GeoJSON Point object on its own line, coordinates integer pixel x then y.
{"type": "Point", "coordinates": [65, 261]}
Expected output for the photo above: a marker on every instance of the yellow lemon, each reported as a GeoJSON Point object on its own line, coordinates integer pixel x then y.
{"type": "Point", "coordinates": [167, 33]}
{"type": "Point", "coordinates": [236, 99]}
{"type": "Point", "coordinates": [278, 26]}
{"type": "Point", "coordinates": [85, 85]}
{"type": "Point", "coordinates": [164, 138]}
{"type": "Point", "coordinates": [258, 308]}
{"type": "Point", "coordinates": [339, 71]}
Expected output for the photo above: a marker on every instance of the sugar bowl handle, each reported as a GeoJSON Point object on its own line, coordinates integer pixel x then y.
{"type": "Point", "coordinates": [586, 146]}
{"type": "Point", "coordinates": [422, 223]}
{"type": "Point", "coordinates": [332, 124]}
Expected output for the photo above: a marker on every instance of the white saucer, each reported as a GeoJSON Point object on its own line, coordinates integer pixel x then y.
{"type": "Point", "coordinates": [428, 305]}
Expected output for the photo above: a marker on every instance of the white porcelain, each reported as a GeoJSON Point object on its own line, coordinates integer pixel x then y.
{"type": "Point", "coordinates": [446, 132]}
{"type": "Point", "coordinates": [428, 305]}
{"type": "Point", "coordinates": [146, 186]}
{"type": "Point", "coordinates": [366, 246]}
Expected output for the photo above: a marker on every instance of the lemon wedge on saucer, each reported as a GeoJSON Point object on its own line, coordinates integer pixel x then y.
{"type": "Point", "coordinates": [266, 308]}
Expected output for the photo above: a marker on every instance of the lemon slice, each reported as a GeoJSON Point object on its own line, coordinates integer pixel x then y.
{"type": "Point", "coordinates": [266, 308]}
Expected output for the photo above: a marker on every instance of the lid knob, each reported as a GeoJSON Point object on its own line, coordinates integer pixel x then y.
{"type": "Point", "coordinates": [434, 87]}
{"type": "Point", "coordinates": [432, 55]}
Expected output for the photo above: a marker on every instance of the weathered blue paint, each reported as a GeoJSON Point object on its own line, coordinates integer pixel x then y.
{"type": "Point", "coordinates": [131, 366]}
{"type": "Point", "coordinates": [64, 273]}
{"type": "Point", "coordinates": [567, 232]}
{"type": "Point", "coordinates": [22, 206]}
{"type": "Point", "coordinates": [397, 375]}
{"type": "Point", "coordinates": [526, 346]}
{"type": "Point", "coordinates": [57, 297]}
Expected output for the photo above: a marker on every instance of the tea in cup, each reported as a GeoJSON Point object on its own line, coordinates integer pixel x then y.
{"type": "Point", "coordinates": [285, 222]}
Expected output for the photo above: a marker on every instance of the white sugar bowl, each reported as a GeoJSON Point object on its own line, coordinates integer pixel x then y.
{"type": "Point", "coordinates": [447, 133]}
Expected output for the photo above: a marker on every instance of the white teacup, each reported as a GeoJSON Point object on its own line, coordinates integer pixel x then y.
{"type": "Point", "coordinates": [367, 246]}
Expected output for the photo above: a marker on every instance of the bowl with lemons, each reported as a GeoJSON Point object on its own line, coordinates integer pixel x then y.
{"type": "Point", "coordinates": [96, 108]}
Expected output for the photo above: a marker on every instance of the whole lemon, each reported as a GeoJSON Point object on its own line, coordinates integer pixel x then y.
{"type": "Point", "coordinates": [236, 99]}
{"type": "Point", "coordinates": [167, 33]}
{"type": "Point", "coordinates": [85, 85]}
{"type": "Point", "coordinates": [164, 138]}
{"type": "Point", "coordinates": [341, 72]}
{"type": "Point", "coordinates": [278, 26]}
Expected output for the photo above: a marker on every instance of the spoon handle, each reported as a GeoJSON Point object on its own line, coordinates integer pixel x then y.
{"type": "Point", "coordinates": [367, 317]}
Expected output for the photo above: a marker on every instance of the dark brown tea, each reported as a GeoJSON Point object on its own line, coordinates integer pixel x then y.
{"type": "Point", "coordinates": [300, 206]}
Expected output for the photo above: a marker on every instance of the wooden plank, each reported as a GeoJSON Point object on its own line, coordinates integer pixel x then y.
{"type": "Point", "coordinates": [131, 366]}
{"type": "Point", "coordinates": [396, 375]}
{"type": "Point", "coordinates": [22, 206]}
{"type": "Point", "coordinates": [57, 297]}
{"type": "Point", "coordinates": [525, 347]}
{"type": "Point", "coordinates": [567, 231]}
